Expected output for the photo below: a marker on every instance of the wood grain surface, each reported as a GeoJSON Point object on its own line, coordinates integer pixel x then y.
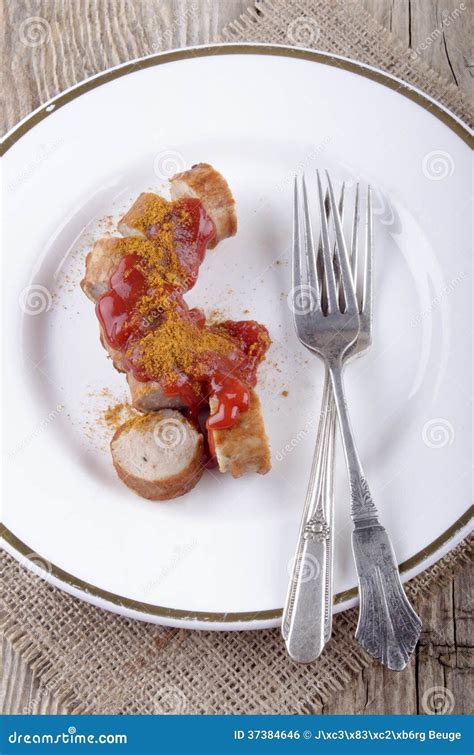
{"type": "Point", "coordinates": [49, 45]}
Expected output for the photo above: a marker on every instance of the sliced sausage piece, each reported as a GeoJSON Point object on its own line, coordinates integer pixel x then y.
{"type": "Point", "coordinates": [116, 355]}
{"type": "Point", "coordinates": [159, 455]}
{"type": "Point", "coordinates": [243, 447]}
{"type": "Point", "coordinates": [136, 220]}
{"type": "Point", "coordinates": [201, 181]}
{"type": "Point", "coordinates": [147, 397]}
{"type": "Point", "coordinates": [101, 262]}
{"type": "Point", "coordinates": [104, 259]}
{"type": "Point", "coordinates": [205, 183]}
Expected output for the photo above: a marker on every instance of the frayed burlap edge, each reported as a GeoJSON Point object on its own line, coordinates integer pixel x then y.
{"type": "Point", "coordinates": [344, 29]}
{"type": "Point", "coordinates": [95, 662]}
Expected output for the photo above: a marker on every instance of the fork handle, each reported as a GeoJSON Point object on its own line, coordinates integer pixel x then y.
{"type": "Point", "coordinates": [328, 502]}
{"type": "Point", "coordinates": [388, 627]}
{"type": "Point", "coordinates": [307, 615]}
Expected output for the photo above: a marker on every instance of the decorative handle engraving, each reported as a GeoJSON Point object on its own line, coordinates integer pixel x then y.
{"type": "Point", "coordinates": [306, 621]}
{"type": "Point", "coordinates": [305, 638]}
{"type": "Point", "coordinates": [363, 506]}
{"type": "Point", "coordinates": [317, 529]}
{"type": "Point", "coordinates": [388, 626]}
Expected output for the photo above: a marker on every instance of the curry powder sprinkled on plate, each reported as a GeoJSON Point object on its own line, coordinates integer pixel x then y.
{"type": "Point", "coordinates": [117, 413]}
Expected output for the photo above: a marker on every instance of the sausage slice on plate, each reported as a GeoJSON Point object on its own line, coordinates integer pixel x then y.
{"type": "Point", "coordinates": [205, 183]}
{"type": "Point", "coordinates": [243, 447]}
{"type": "Point", "coordinates": [101, 262]}
{"type": "Point", "coordinates": [158, 455]}
{"type": "Point", "coordinates": [149, 396]}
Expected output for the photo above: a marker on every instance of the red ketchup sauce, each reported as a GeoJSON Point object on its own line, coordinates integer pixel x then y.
{"type": "Point", "coordinates": [227, 376]}
{"type": "Point", "coordinates": [115, 308]}
{"type": "Point", "coordinates": [191, 240]}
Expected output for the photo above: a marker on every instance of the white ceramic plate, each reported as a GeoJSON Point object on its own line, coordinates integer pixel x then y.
{"type": "Point", "coordinates": [219, 557]}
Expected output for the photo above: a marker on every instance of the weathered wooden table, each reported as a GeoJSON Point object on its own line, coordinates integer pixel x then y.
{"type": "Point", "coordinates": [77, 51]}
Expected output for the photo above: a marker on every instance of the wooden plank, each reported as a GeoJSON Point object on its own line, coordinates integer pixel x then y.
{"type": "Point", "coordinates": [74, 40]}
{"type": "Point", "coordinates": [438, 678]}
{"type": "Point", "coordinates": [440, 675]}
{"type": "Point", "coordinates": [439, 31]}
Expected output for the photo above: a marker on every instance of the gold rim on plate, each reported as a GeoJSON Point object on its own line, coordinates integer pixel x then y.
{"type": "Point", "coordinates": [437, 110]}
{"type": "Point", "coordinates": [209, 617]}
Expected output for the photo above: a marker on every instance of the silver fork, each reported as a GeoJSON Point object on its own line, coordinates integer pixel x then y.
{"type": "Point", "coordinates": [388, 628]}
{"type": "Point", "coordinates": [362, 344]}
{"type": "Point", "coordinates": [319, 504]}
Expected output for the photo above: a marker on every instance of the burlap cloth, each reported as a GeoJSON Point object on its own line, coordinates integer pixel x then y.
{"type": "Point", "coordinates": [92, 661]}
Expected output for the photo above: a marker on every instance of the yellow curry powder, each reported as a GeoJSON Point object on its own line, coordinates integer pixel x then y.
{"type": "Point", "coordinates": [115, 414]}
{"type": "Point", "coordinates": [151, 210]}
{"type": "Point", "coordinates": [177, 343]}
{"type": "Point", "coordinates": [160, 262]}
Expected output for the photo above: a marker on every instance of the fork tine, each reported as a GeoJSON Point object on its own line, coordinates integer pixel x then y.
{"type": "Point", "coordinates": [355, 245]}
{"type": "Point", "coordinates": [342, 301]}
{"type": "Point", "coordinates": [327, 254]}
{"type": "Point", "coordinates": [311, 260]}
{"type": "Point", "coordinates": [296, 248]}
{"type": "Point", "coordinates": [320, 262]}
{"type": "Point", "coordinates": [319, 253]}
{"type": "Point", "coordinates": [341, 199]}
{"type": "Point", "coordinates": [346, 275]}
{"type": "Point", "coordinates": [369, 260]}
